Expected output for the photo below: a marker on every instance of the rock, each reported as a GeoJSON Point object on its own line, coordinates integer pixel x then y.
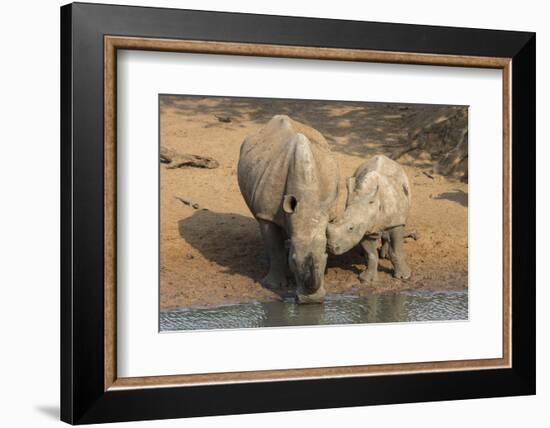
{"type": "Point", "coordinates": [224, 119]}
{"type": "Point", "coordinates": [180, 160]}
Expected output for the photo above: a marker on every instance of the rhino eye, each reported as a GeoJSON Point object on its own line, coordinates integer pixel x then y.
{"type": "Point", "coordinates": [371, 202]}
{"type": "Point", "coordinates": [350, 228]}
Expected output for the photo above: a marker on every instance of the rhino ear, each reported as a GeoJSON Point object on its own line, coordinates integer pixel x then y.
{"type": "Point", "coordinates": [290, 204]}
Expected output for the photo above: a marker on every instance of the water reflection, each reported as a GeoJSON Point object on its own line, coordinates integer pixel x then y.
{"type": "Point", "coordinates": [344, 309]}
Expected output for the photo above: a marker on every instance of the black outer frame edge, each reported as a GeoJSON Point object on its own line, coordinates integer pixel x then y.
{"type": "Point", "coordinates": [300, 31]}
{"type": "Point", "coordinates": [524, 215]}
{"type": "Point", "coordinates": [66, 307]}
{"type": "Point", "coordinates": [83, 398]}
{"type": "Point", "coordinates": [169, 403]}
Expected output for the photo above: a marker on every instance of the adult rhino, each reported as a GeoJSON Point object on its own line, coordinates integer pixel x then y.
{"type": "Point", "coordinates": [289, 180]}
{"type": "Point", "coordinates": [378, 204]}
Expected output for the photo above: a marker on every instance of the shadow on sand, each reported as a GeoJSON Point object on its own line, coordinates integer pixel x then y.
{"type": "Point", "coordinates": [378, 123]}
{"type": "Point", "coordinates": [230, 240]}
{"type": "Point", "coordinates": [354, 128]}
{"type": "Point", "coordinates": [233, 242]}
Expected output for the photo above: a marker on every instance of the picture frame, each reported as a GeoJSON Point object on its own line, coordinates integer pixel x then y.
{"type": "Point", "coordinates": [91, 35]}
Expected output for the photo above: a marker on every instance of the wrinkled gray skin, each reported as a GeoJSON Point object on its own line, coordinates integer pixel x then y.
{"type": "Point", "coordinates": [379, 199]}
{"type": "Point", "coordinates": [289, 180]}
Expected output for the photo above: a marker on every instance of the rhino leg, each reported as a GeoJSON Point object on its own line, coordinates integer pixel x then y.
{"type": "Point", "coordinates": [397, 256]}
{"type": "Point", "coordinates": [384, 251]}
{"type": "Point", "coordinates": [272, 235]}
{"type": "Point", "coordinates": [370, 275]}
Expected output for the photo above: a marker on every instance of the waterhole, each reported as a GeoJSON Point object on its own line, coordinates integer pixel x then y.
{"type": "Point", "coordinates": [342, 309]}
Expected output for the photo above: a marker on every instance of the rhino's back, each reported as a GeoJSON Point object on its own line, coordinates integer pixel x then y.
{"type": "Point", "coordinates": [264, 164]}
{"type": "Point", "coordinates": [394, 190]}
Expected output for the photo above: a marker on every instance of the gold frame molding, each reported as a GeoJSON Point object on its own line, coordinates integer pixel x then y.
{"type": "Point", "coordinates": [113, 43]}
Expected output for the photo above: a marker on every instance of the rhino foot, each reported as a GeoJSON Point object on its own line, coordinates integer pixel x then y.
{"type": "Point", "coordinates": [368, 276]}
{"type": "Point", "coordinates": [317, 297]}
{"type": "Point", "coordinates": [402, 272]}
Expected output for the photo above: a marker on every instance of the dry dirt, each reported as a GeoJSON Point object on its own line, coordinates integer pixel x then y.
{"type": "Point", "coordinates": [213, 254]}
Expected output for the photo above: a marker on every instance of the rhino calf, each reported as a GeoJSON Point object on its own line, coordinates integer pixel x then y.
{"type": "Point", "coordinates": [377, 207]}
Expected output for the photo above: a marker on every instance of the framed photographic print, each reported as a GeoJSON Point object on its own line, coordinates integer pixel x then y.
{"type": "Point", "coordinates": [265, 213]}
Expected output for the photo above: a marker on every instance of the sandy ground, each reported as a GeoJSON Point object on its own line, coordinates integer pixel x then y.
{"type": "Point", "coordinates": [214, 254]}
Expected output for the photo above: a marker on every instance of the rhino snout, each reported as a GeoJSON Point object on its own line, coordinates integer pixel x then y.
{"type": "Point", "coordinates": [335, 249]}
{"type": "Point", "coordinates": [303, 273]}
{"type": "Point", "coordinates": [309, 273]}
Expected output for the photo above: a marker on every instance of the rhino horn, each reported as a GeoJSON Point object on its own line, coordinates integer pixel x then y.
{"type": "Point", "coordinates": [303, 175]}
